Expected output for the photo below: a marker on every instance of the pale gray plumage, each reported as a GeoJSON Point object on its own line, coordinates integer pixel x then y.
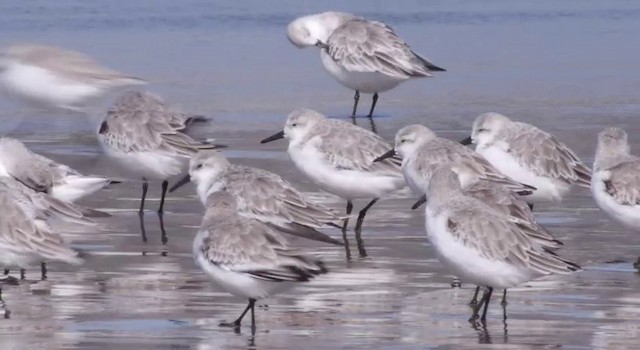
{"type": "Point", "coordinates": [260, 195]}
{"type": "Point", "coordinates": [141, 122]}
{"type": "Point", "coordinates": [502, 198]}
{"type": "Point", "coordinates": [494, 235]}
{"type": "Point", "coordinates": [70, 65]}
{"type": "Point", "coordinates": [25, 236]}
{"type": "Point", "coordinates": [250, 247]}
{"type": "Point", "coordinates": [44, 205]}
{"type": "Point", "coordinates": [537, 150]}
{"type": "Point", "coordinates": [423, 152]}
{"type": "Point", "coordinates": [41, 173]}
{"type": "Point", "coordinates": [362, 45]}
{"type": "Point", "coordinates": [346, 146]}
{"type": "Point", "coordinates": [617, 167]}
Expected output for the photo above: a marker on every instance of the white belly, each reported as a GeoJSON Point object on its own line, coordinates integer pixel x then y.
{"type": "Point", "coordinates": [150, 165]}
{"type": "Point", "coordinates": [547, 189]}
{"type": "Point", "coordinates": [467, 263]}
{"type": "Point", "coordinates": [239, 284]}
{"type": "Point", "coordinates": [367, 82]}
{"type": "Point", "coordinates": [627, 215]}
{"type": "Point", "coordinates": [347, 184]}
{"type": "Point", "coordinates": [40, 86]}
{"type": "Point", "coordinates": [414, 179]}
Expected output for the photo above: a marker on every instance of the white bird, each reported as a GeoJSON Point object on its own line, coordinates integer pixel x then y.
{"type": "Point", "coordinates": [482, 245]}
{"type": "Point", "coordinates": [338, 157]}
{"type": "Point", "coordinates": [529, 155]}
{"type": "Point", "coordinates": [44, 175]}
{"type": "Point", "coordinates": [57, 77]}
{"type": "Point", "coordinates": [616, 179]}
{"type": "Point", "coordinates": [260, 195]}
{"type": "Point", "coordinates": [25, 235]}
{"type": "Point", "coordinates": [247, 257]}
{"type": "Point", "coordinates": [147, 139]}
{"type": "Point", "coordinates": [363, 55]}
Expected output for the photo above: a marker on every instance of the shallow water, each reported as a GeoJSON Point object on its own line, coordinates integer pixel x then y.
{"type": "Point", "coordinates": [569, 67]}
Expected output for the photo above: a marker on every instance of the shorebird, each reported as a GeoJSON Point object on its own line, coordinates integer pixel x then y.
{"type": "Point", "coordinates": [338, 157]}
{"type": "Point", "coordinates": [44, 175]}
{"type": "Point", "coordinates": [260, 195]}
{"type": "Point", "coordinates": [57, 77]}
{"type": "Point", "coordinates": [483, 245]}
{"type": "Point", "coordinates": [148, 139]}
{"type": "Point", "coordinates": [363, 55]}
{"type": "Point", "coordinates": [616, 179]}
{"type": "Point", "coordinates": [529, 155]}
{"type": "Point", "coordinates": [246, 257]}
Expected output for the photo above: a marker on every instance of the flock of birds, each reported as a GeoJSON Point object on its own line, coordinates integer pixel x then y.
{"type": "Point", "coordinates": [478, 212]}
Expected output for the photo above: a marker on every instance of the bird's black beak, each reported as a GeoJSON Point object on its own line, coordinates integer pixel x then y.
{"type": "Point", "coordinates": [391, 153]}
{"type": "Point", "coordinates": [420, 202]}
{"type": "Point", "coordinates": [466, 141]}
{"type": "Point", "coordinates": [277, 136]}
{"type": "Point", "coordinates": [179, 184]}
{"type": "Point", "coordinates": [321, 45]}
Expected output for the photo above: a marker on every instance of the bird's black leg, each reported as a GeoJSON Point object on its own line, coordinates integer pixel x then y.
{"type": "Point", "coordinates": [356, 98]}
{"type": "Point", "coordinates": [476, 309]}
{"type": "Point", "coordinates": [253, 318]}
{"type": "Point", "coordinates": [165, 185]}
{"type": "Point", "coordinates": [6, 271]}
{"type": "Point", "coordinates": [344, 230]}
{"type": "Point", "coordinates": [236, 323]}
{"type": "Point", "coordinates": [23, 273]}
{"type": "Point", "coordinates": [43, 271]}
{"type": "Point", "coordinates": [530, 206]}
{"type": "Point", "coordinates": [474, 300]}
{"type": "Point", "coordinates": [486, 304]}
{"type": "Point", "coordinates": [373, 105]}
{"type": "Point", "coordinates": [145, 188]}
{"type": "Point", "coordinates": [504, 298]}
{"type": "Point", "coordinates": [363, 212]}
{"type": "Point", "coordinates": [163, 232]}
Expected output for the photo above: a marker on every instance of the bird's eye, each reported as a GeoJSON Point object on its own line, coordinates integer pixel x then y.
{"type": "Point", "coordinates": [482, 130]}
{"type": "Point", "coordinates": [199, 166]}
{"type": "Point", "coordinates": [403, 140]}
{"type": "Point", "coordinates": [294, 124]}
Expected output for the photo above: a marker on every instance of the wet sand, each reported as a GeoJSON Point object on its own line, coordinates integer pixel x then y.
{"type": "Point", "coordinates": [569, 70]}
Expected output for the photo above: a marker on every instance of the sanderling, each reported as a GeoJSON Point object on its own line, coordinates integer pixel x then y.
{"type": "Point", "coordinates": [529, 155]}
{"type": "Point", "coordinates": [25, 236]}
{"type": "Point", "coordinates": [147, 139]}
{"type": "Point", "coordinates": [44, 207]}
{"type": "Point", "coordinates": [422, 152]}
{"type": "Point", "coordinates": [616, 178]}
{"type": "Point", "coordinates": [363, 55]}
{"type": "Point", "coordinates": [56, 77]}
{"type": "Point", "coordinates": [338, 157]}
{"type": "Point", "coordinates": [247, 257]}
{"type": "Point", "coordinates": [501, 197]}
{"type": "Point", "coordinates": [482, 245]}
{"type": "Point", "coordinates": [44, 175]}
{"type": "Point", "coordinates": [260, 195]}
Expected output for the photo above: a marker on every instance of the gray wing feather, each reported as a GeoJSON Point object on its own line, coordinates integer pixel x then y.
{"type": "Point", "coordinates": [141, 122]}
{"type": "Point", "coordinates": [500, 237]}
{"type": "Point", "coordinates": [350, 147]}
{"type": "Point", "coordinates": [368, 46]}
{"type": "Point", "coordinates": [543, 154]}
{"type": "Point", "coordinates": [624, 183]}
{"type": "Point", "coordinates": [252, 248]}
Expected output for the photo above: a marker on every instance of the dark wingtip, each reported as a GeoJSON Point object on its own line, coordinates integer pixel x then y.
{"type": "Point", "coordinates": [420, 202]}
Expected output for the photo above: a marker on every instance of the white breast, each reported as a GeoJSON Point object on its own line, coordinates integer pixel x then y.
{"type": "Point", "coordinates": [547, 189]}
{"type": "Point", "coordinates": [366, 82]}
{"type": "Point", "coordinates": [627, 215]}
